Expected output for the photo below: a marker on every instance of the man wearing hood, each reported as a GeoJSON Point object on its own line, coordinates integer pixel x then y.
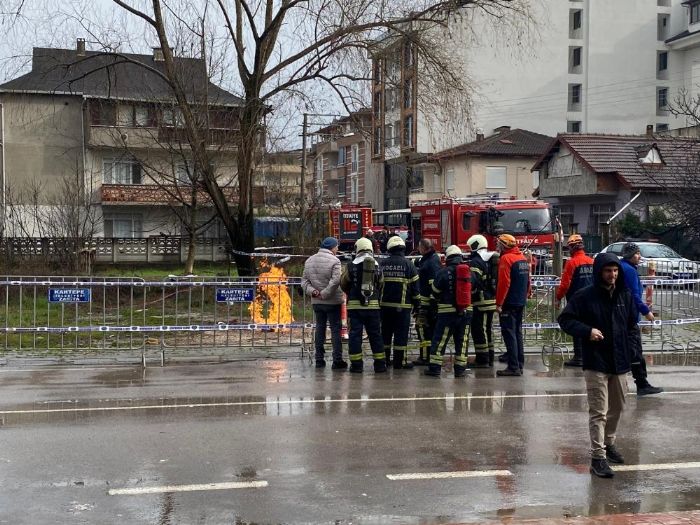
{"type": "Point", "coordinates": [604, 317]}
{"type": "Point", "coordinates": [361, 279]}
{"type": "Point", "coordinates": [512, 291]}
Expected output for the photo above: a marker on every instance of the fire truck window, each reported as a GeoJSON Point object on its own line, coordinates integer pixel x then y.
{"type": "Point", "coordinates": [466, 222]}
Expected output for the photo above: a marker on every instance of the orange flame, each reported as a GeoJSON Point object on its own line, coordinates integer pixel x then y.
{"type": "Point", "coordinates": [272, 304]}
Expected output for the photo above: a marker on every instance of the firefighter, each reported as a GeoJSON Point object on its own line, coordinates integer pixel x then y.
{"type": "Point", "coordinates": [369, 234]}
{"type": "Point", "coordinates": [428, 267]}
{"type": "Point", "coordinates": [577, 274]}
{"type": "Point", "coordinates": [361, 280]}
{"type": "Point", "coordinates": [398, 297]}
{"type": "Point", "coordinates": [483, 300]}
{"type": "Point", "coordinates": [512, 292]}
{"type": "Point", "coordinates": [454, 313]}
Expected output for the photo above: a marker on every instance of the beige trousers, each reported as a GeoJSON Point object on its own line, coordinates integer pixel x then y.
{"type": "Point", "coordinates": [606, 400]}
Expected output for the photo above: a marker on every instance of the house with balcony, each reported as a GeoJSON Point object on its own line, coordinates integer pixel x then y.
{"type": "Point", "coordinates": [108, 126]}
{"type": "Point", "coordinates": [340, 166]}
{"type": "Point", "coordinates": [589, 177]}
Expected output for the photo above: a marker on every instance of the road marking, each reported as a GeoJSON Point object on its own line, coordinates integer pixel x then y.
{"type": "Point", "coordinates": [59, 369]}
{"type": "Point", "coordinates": [188, 488]}
{"type": "Point", "coordinates": [309, 402]}
{"type": "Point", "coordinates": [655, 466]}
{"type": "Point", "coordinates": [449, 475]}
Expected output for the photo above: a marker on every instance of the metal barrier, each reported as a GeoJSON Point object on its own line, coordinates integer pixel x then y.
{"type": "Point", "coordinates": [55, 314]}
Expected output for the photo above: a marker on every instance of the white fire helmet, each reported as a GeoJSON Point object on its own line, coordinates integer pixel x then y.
{"type": "Point", "coordinates": [453, 250]}
{"type": "Point", "coordinates": [477, 242]}
{"type": "Point", "coordinates": [394, 242]}
{"type": "Point", "coordinates": [363, 244]}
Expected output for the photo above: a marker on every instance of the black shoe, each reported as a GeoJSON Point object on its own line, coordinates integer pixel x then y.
{"type": "Point", "coordinates": [574, 362]}
{"type": "Point", "coordinates": [379, 367]}
{"type": "Point", "coordinates": [421, 362]}
{"type": "Point", "coordinates": [460, 372]}
{"type": "Point", "coordinates": [508, 372]}
{"type": "Point", "coordinates": [503, 358]}
{"type": "Point", "coordinates": [648, 390]}
{"type": "Point", "coordinates": [491, 356]}
{"type": "Point", "coordinates": [477, 365]}
{"type": "Point", "coordinates": [614, 455]}
{"type": "Point", "coordinates": [432, 372]}
{"type": "Point", "coordinates": [320, 363]}
{"type": "Point", "coordinates": [403, 366]}
{"type": "Point", "coordinates": [339, 365]}
{"type": "Point", "coordinates": [355, 369]}
{"type": "Point", "coordinates": [600, 468]}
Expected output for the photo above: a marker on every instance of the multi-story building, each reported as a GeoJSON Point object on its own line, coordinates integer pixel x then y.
{"type": "Point", "coordinates": [581, 66]}
{"type": "Point", "coordinates": [107, 127]}
{"type": "Point", "coordinates": [339, 167]}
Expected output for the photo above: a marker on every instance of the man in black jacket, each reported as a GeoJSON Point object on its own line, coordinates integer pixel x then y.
{"type": "Point", "coordinates": [604, 317]}
{"type": "Point", "coordinates": [428, 267]}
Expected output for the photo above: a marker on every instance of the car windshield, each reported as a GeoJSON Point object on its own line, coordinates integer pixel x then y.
{"type": "Point", "coordinates": [656, 251]}
{"type": "Point", "coordinates": [527, 220]}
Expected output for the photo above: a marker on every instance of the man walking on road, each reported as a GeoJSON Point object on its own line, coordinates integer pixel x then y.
{"type": "Point", "coordinates": [604, 317]}
{"type": "Point", "coordinates": [321, 280]}
{"type": "Point", "coordinates": [512, 291]}
{"type": "Point", "coordinates": [577, 274]}
{"type": "Point", "coordinates": [630, 259]}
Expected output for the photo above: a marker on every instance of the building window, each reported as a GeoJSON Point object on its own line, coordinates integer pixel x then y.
{"type": "Point", "coordinates": [408, 132]}
{"type": "Point", "coordinates": [496, 177]}
{"type": "Point", "coordinates": [119, 171]}
{"type": "Point", "coordinates": [662, 27]}
{"type": "Point", "coordinates": [318, 170]}
{"type": "Point", "coordinates": [566, 217]}
{"type": "Point", "coordinates": [450, 179]}
{"type": "Point", "coordinates": [397, 133]}
{"type": "Point", "coordinates": [354, 188]}
{"type": "Point", "coordinates": [103, 113]}
{"type": "Point", "coordinates": [663, 61]}
{"type": "Point", "coordinates": [574, 97]}
{"type": "Point", "coordinates": [123, 225]}
{"type": "Point", "coordinates": [408, 54]}
{"type": "Point", "coordinates": [354, 158]}
{"type": "Point", "coordinates": [377, 103]}
{"type": "Point", "coordinates": [378, 140]}
{"type": "Point", "coordinates": [575, 58]}
{"type": "Point", "coordinates": [341, 156]}
{"type": "Point", "coordinates": [573, 126]}
{"type": "Point", "coordinates": [173, 117]}
{"type": "Point", "coordinates": [184, 173]}
{"type": "Point", "coordinates": [662, 98]}
{"type": "Point", "coordinates": [599, 216]}
{"type": "Point", "coordinates": [377, 71]}
{"type": "Point", "coordinates": [408, 93]}
{"type": "Point", "coordinates": [388, 135]}
{"type": "Point", "coordinates": [576, 19]}
{"type": "Point", "coordinates": [695, 13]}
{"type": "Point", "coordinates": [662, 127]}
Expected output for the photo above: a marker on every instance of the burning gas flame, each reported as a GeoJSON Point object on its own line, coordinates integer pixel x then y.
{"type": "Point", "coordinates": [272, 304]}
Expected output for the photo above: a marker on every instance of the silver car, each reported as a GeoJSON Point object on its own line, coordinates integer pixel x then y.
{"type": "Point", "coordinates": [666, 261]}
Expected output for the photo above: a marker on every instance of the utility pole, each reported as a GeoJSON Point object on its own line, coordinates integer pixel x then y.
{"type": "Point", "coordinates": [302, 205]}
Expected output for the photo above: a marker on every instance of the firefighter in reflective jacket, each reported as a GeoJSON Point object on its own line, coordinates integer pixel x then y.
{"type": "Point", "coordinates": [361, 280]}
{"type": "Point", "coordinates": [428, 267]}
{"type": "Point", "coordinates": [577, 274]}
{"type": "Point", "coordinates": [483, 300]}
{"type": "Point", "coordinates": [398, 297]}
{"type": "Point", "coordinates": [452, 292]}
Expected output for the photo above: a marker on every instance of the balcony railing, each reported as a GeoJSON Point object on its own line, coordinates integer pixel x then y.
{"type": "Point", "coordinates": [170, 195]}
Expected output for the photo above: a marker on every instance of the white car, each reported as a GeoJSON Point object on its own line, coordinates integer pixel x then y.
{"type": "Point", "coordinates": [667, 262]}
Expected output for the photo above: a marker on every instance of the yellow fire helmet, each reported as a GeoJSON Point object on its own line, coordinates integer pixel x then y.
{"type": "Point", "coordinates": [394, 242]}
{"type": "Point", "coordinates": [453, 250]}
{"type": "Point", "coordinates": [575, 238]}
{"type": "Point", "coordinates": [507, 240]}
{"type": "Point", "coordinates": [363, 245]}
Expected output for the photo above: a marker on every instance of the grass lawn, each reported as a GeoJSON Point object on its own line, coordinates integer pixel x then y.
{"type": "Point", "coordinates": [160, 271]}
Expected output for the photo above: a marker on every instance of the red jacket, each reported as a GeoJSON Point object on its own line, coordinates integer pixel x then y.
{"type": "Point", "coordinates": [513, 286]}
{"type": "Point", "coordinates": [578, 264]}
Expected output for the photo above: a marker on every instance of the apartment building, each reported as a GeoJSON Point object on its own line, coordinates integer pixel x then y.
{"type": "Point", "coordinates": [110, 128]}
{"type": "Point", "coordinates": [582, 66]}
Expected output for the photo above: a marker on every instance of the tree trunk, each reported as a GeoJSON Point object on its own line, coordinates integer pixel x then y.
{"type": "Point", "coordinates": [191, 252]}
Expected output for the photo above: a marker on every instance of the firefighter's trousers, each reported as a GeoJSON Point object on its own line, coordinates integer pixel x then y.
{"type": "Point", "coordinates": [482, 334]}
{"type": "Point", "coordinates": [450, 325]}
{"type": "Point", "coordinates": [396, 323]}
{"type": "Point", "coordinates": [425, 330]}
{"type": "Point", "coordinates": [369, 320]}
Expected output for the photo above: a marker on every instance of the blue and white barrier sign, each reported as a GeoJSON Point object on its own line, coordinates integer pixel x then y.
{"type": "Point", "coordinates": [69, 295]}
{"type": "Point", "coordinates": [235, 295]}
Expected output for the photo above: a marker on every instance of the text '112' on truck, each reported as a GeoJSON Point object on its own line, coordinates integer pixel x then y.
{"type": "Point", "coordinates": [448, 221]}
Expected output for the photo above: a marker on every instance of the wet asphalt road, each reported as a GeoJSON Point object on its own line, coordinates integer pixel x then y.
{"type": "Point", "coordinates": [324, 442]}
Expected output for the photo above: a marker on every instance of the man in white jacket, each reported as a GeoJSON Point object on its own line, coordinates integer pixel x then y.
{"type": "Point", "coordinates": [321, 280]}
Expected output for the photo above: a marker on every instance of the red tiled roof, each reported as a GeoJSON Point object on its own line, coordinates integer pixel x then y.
{"type": "Point", "coordinates": [515, 143]}
{"type": "Point", "coordinates": [619, 156]}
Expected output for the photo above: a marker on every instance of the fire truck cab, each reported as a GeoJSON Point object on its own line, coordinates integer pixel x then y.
{"type": "Point", "coordinates": [449, 220]}
{"type": "Point", "coordinates": [348, 223]}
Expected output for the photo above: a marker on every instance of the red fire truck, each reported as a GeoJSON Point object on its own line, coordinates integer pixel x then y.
{"type": "Point", "coordinates": [348, 223]}
{"type": "Point", "coordinates": [448, 221]}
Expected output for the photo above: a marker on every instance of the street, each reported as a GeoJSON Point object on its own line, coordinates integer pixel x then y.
{"type": "Point", "coordinates": [277, 441]}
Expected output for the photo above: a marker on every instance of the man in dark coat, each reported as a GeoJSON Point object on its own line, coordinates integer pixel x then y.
{"type": "Point", "coordinates": [604, 317]}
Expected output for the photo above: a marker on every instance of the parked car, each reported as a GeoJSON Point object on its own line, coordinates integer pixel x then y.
{"type": "Point", "coordinates": [666, 261]}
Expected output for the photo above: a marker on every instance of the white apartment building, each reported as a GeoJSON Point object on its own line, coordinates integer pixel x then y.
{"type": "Point", "coordinates": [590, 66]}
